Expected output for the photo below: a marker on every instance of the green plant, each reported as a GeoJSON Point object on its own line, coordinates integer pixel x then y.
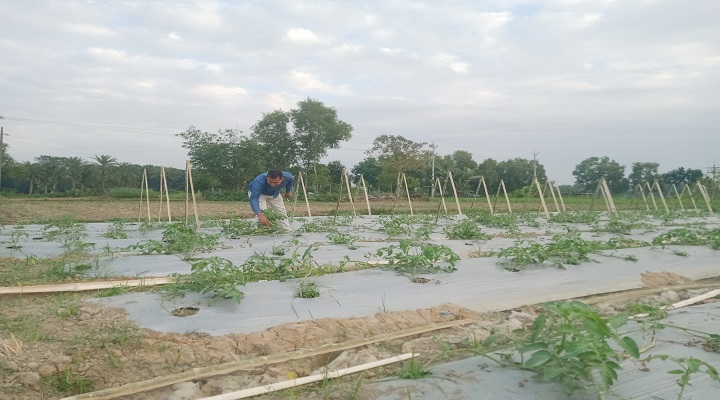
{"type": "Point", "coordinates": [569, 343]}
{"type": "Point", "coordinates": [114, 291]}
{"type": "Point", "coordinates": [411, 257]}
{"type": "Point", "coordinates": [188, 240]}
{"type": "Point", "coordinates": [116, 230]}
{"type": "Point", "coordinates": [68, 383]}
{"type": "Point", "coordinates": [465, 230]}
{"type": "Point", "coordinates": [214, 275]}
{"type": "Point", "coordinates": [343, 238]}
{"type": "Point", "coordinates": [412, 369]}
{"type": "Point", "coordinates": [688, 367]}
{"type": "Point", "coordinates": [564, 249]}
{"type": "Point", "coordinates": [308, 290]}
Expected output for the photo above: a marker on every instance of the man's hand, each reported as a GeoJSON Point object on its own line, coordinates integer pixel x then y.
{"type": "Point", "coordinates": [288, 195]}
{"type": "Point", "coordinates": [264, 221]}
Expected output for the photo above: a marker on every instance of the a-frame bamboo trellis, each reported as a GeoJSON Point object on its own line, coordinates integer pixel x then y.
{"type": "Point", "coordinates": [482, 183]}
{"type": "Point", "coordinates": [301, 184]}
{"type": "Point", "coordinates": [190, 191]}
{"type": "Point", "coordinates": [602, 188]}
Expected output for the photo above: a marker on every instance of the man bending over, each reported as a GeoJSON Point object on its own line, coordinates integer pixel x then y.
{"type": "Point", "coordinates": [265, 189]}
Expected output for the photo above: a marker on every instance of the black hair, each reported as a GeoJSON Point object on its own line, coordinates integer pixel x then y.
{"type": "Point", "coordinates": [274, 173]}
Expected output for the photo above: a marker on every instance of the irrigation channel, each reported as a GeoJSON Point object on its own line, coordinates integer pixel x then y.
{"type": "Point", "coordinates": [361, 266]}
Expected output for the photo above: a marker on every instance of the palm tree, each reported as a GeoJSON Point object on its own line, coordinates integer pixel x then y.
{"type": "Point", "coordinates": [105, 162]}
{"type": "Point", "coordinates": [75, 170]}
{"type": "Point", "coordinates": [30, 172]}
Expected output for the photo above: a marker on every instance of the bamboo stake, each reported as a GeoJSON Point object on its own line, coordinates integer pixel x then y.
{"type": "Point", "coordinates": [457, 200]}
{"type": "Point", "coordinates": [682, 207]}
{"type": "Point", "coordinates": [542, 197]}
{"type": "Point", "coordinates": [562, 202]}
{"type": "Point", "coordinates": [83, 286]}
{"type": "Point", "coordinates": [304, 189]}
{"type": "Point", "coordinates": [487, 195]}
{"type": "Point", "coordinates": [442, 196]}
{"type": "Point", "coordinates": [226, 368]}
{"type": "Point", "coordinates": [397, 192]}
{"type": "Point", "coordinates": [367, 200]}
{"type": "Point", "coordinates": [245, 393]}
{"type": "Point", "coordinates": [652, 196]}
{"type": "Point", "coordinates": [608, 197]}
{"type": "Point", "coordinates": [192, 193]}
{"type": "Point", "coordinates": [407, 191]}
{"type": "Point", "coordinates": [642, 192]}
{"type": "Point", "coordinates": [690, 195]}
{"type": "Point", "coordinates": [477, 190]}
{"type": "Point", "coordinates": [347, 184]}
{"type": "Point", "coordinates": [662, 197]}
{"type": "Point", "coordinates": [507, 199]}
{"type": "Point", "coordinates": [187, 194]}
{"type": "Point", "coordinates": [163, 182]}
{"type": "Point", "coordinates": [144, 187]}
{"type": "Point", "coordinates": [705, 195]}
{"type": "Point", "coordinates": [552, 191]}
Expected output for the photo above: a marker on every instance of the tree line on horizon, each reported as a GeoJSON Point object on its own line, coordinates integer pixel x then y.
{"type": "Point", "coordinates": [296, 141]}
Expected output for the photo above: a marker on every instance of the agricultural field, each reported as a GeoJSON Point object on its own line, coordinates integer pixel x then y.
{"type": "Point", "coordinates": [510, 304]}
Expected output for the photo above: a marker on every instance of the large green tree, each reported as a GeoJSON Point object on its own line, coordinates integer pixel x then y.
{"type": "Point", "coordinates": [278, 149]}
{"type": "Point", "coordinates": [370, 169]}
{"type": "Point", "coordinates": [681, 175]}
{"type": "Point", "coordinates": [317, 129]}
{"type": "Point", "coordinates": [397, 154]}
{"type": "Point", "coordinates": [518, 172]}
{"type": "Point", "coordinates": [105, 164]}
{"type": "Point", "coordinates": [642, 172]}
{"type": "Point", "coordinates": [589, 172]}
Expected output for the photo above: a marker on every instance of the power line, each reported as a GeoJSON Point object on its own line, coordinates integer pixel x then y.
{"type": "Point", "coordinates": [156, 132]}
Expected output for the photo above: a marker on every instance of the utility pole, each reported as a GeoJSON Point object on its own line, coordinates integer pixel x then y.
{"type": "Point", "coordinates": [535, 163]}
{"type": "Point", "coordinates": [713, 170]}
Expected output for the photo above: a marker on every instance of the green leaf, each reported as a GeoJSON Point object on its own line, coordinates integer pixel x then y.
{"type": "Point", "coordinates": [630, 346]}
{"type": "Point", "coordinates": [618, 320]}
{"type": "Point", "coordinates": [538, 358]}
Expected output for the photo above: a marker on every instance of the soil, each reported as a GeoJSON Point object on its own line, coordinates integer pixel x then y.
{"type": "Point", "coordinates": [80, 344]}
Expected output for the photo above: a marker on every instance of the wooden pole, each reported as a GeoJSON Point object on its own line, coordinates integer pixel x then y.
{"type": "Point", "coordinates": [682, 207]}
{"type": "Point", "coordinates": [442, 195]}
{"type": "Point", "coordinates": [347, 184]}
{"type": "Point", "coordinates": [144, 188]}
{"type": "Point", "coordinates": [83, 286]}
{"type": "Point", "coordinates": [256, 391]}
{"type": "Point", "coordinates": [187, 192]}
{"type": "Point", "coordinates": [642, 193]}
{"type": "Point", "coordinates": [542, 197]}
{"type": "Point", "coordinates": [367, 200]}
{"type": "Point", "coordinates": [407, 191]}
{"type": "Point", "coordinates": [226, 368]}
{"type": "Point", "coordinates": [457, 200]}
{"type": "Point", "coordinates": [608, 197]}
{"type": "Point", "coordinates": [552, 191]}
{"type": "Point", "coordinates": [705, 195]}
{"type": "Point", "coordinates": [397, 192]}
{"type": "Point", "coordinates": [192, 194]}
{"type": "Point", "coordinates": [690, 195]}
{"type": "Point", "coordinates": [307, 201]}
{"type": "Point", "coordinates": [662, 197]}
{"type": "Point", "coordinates": [562, 202]}
{"type": "Point", "coordinates": [507, 198]}
{"type": "Point", "coordinates": [652, 196]}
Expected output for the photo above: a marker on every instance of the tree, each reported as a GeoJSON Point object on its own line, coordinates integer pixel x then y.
{"type": "Point", "coordinates": [590, 170]}
{"type": "Point", "coordinates": [75, 171]}
{"type": "Point", "coordinates": [50, 171]}
{"type": "Point", "coordinates": [30, 171]}
{"type": "Point", "coordinates": [518, 173]}
{"type": "Point", "coordinates": [681, 175]}
{"type": "Point", "coordinates": [105, 165]}
{"type": "Point", "coordinates": [643, 172]}
{"type": "Point", "coordinates": [370, 169]}
{"type": "Point", "coordinates": [462, 166]}
{"type": "Point", "coordinates": [226, 157]}
{"type": "Point", "coordinates": [335, 170]}
{"type": "Point", "coordinates": [317, 129]}
{"type": "Point", "coordinates": [396, 154]}
{"type": "Point", "coordinates": [278, 147]}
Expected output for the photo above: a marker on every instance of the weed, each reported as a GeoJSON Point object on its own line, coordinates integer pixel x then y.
{"type": "Point", "coordinates": [68, 383]}
{"type": "Point", "coordinates": [308, 290]}
{"type": "Point", "coordinates": [114, 291]}
{"type": "Point", "coordinates": [412, 369]}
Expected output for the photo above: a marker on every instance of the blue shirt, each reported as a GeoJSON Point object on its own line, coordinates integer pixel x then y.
{"type": "Point", "coordinates": [260, 186]}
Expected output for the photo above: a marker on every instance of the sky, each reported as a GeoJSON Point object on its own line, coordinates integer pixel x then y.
{"type": "Point", "coordinates": [558, 80]}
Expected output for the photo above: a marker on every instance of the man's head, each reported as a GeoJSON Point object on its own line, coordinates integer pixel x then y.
{"type": "Point", "coordinates": [274, 177]}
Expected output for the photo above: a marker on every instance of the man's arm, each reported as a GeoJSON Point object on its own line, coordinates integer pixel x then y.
{"type": "Point", "coordinates": [254, 194]}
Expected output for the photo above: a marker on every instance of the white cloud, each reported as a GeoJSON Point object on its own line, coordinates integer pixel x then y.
{"type": "Point", "coordinates": [300, 35]}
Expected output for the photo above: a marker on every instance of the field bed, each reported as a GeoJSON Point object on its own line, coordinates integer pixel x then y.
{"type": "Point", "coordinates": [366, 284]}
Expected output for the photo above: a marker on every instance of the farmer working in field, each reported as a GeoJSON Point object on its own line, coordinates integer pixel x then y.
{"type": "Point", "coordinates": [265, 190]}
